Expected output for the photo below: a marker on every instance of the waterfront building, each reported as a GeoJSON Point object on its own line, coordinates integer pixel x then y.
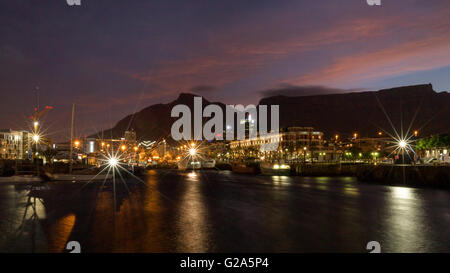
{"type": "Point", "coordinates": [372, 144]}
{"type": "Point", "coordinates": [91, 145]}
{"type": "Point", "coordinates": [14, 144]}
{"type": "Point", "coordinates": [130, 136]}
{"type": "Point", "coordinates": [294, 143]}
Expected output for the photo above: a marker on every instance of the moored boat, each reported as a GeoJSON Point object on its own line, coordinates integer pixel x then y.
{"type": "Point", "coordinates": [245, 167]}
{"type": "Point", "coordinates": [182, 164]}
{"type": "Point", "coordinates": [189, 164]}
{"type": "Point", "coordinates": [208, 164]}
{"type": "Point", "coordinates": [268, 168]}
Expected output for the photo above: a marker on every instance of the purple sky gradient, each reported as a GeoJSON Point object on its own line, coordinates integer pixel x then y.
{"type": "Point", "coordinates": [115, 57]}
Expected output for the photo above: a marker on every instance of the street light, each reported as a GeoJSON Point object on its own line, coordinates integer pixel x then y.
{"type": "Point", "coordinates": [36, 138]}
{"type": "Point", "coordinates": [304, 155]}
{"type": "Point", "coordinates": [112, 162]}
{"type": "Point", "coordinates": [123, 148]}
{"type": "Point", "coordinates": [192, 151]}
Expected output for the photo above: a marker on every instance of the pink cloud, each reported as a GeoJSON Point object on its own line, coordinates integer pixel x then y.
{"type": "Point", "coordinates": [408, 57]}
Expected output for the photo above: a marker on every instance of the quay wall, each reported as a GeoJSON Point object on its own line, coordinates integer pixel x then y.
{"type": "Point", "coordinates": [408, 175]}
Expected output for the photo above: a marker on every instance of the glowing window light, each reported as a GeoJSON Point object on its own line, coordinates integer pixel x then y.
{"type": "Point", "coordinates": [91, 146]}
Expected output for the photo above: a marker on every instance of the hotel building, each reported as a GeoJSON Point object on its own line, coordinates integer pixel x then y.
{"type": "Point", "coordinates": [290, 143]}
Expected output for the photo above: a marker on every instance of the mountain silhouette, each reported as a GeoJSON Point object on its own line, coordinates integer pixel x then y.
{"type": "Point", "coordinates": [363, 112]}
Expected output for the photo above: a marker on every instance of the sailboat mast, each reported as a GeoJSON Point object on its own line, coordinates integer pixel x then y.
{"type": "Point", "coordinates": [71, 138]}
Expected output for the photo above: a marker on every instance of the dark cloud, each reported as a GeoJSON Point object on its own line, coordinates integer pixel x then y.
{"type": "Point", "coordinates": [307, 90]}
{"type": "Point", "coordinates": [203, 89]}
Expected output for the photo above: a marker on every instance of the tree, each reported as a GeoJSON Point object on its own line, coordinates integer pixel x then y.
{"type": "Point", "coordinates": [436, 141]}
{"type": "Point", "coordinates": [49, 154]}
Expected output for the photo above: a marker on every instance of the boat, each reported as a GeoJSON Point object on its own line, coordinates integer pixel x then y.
{"type": "Point", "coordinates": [182, 164]}
{"type": "Point", "coordinates": [194, 165]}
{"type": "Point", "coordinates": [268, 168]}
{"type": "Point", "coordinates": [245, 167]}
{"type": "Point", "coordinates": [208, 164]}
{"type": "Point", "coordinates": [189, 164]}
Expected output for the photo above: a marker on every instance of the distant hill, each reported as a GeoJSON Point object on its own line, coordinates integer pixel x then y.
{"type": "Point", "coordinates": [153, 122]}
{"type": "Point", "coordinates": [342, 114]}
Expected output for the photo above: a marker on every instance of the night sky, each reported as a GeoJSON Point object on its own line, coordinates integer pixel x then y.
{"type": "Point", "coordinates": [113, 58]}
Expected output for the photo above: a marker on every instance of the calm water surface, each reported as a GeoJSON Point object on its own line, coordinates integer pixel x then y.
{"type": "Point", "coordinates": [219, 211]}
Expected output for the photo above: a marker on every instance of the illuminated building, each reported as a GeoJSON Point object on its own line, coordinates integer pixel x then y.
{"type": "Point", "coordinates": [291, 142]}
{"type": "Point", "coordinates": [14, 144]}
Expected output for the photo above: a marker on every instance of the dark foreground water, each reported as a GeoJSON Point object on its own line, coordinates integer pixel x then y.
{"type": "Point", "coordinates": [210, 211]}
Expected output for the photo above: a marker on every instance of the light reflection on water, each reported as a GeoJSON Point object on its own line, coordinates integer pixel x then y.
{"type": "Point", "coordinates": [192, 217]}
{"type": "Point", "coordinates": [198, 211]}
{"type": "Point", "coordinates": [402, 192]}
{"type": "Point", "coordinates": [24, 224]}
{"type": "Point", "coordinates": [407, 221]}
{"type": "Point", "coordinates": [192, 176]}
{"type": "Point", "coordinates": [60, 231]}
{"type": "Point", "coordinates": [280, 180]}
{"type": "Point", "coordinates": [349, 190]}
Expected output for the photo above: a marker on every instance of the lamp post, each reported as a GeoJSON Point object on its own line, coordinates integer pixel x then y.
{"type": "Point", "coordinates": [76, 144]}
{"type": "Point", "coordinates": [36, 139]}
{"type": "Point", "coordinates": [35, 124]}
{"type": "Point", "coordinates": [136, 159]}
{"type": "Point", "coordinates": [304, 155]}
